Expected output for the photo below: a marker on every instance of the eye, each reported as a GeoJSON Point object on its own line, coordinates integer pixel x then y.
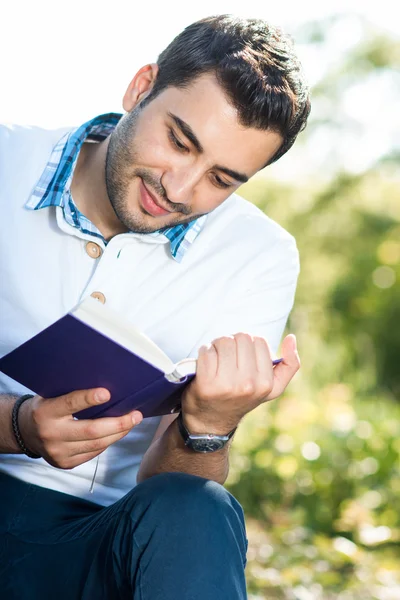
{"type": "Point", "coordinates": [220, 183]}
{"type": "Point", "coordinates": [176, 142]}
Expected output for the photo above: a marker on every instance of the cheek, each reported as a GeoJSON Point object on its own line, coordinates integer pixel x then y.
{"type": "Point", "coordinates": [207, 197]}
{"type": "Point", "coordinates": [152, 150]}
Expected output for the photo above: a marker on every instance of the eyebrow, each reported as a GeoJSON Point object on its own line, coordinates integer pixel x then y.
{"type": "Point", "coordinates": [188, 132]}
{"type": "Point", "coordinates": [234, 174]}
{"type": "Point", "coordinates": [191, 136]}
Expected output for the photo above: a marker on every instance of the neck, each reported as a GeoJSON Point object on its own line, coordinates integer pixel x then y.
{"type": "Point", "coordinates": [89, 189]}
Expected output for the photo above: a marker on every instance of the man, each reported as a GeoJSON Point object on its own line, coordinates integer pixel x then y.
{"type": "Point", "coordinates": [138, 212]}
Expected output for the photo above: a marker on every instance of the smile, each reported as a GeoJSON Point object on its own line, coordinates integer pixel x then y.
{"type": "Point", "coordinates": [149, 202]}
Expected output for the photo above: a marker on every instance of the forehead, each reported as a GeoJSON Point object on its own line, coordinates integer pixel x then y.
{"type": "Point", "coordinates": [204, 106]}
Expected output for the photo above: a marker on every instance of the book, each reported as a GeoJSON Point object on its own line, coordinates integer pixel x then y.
{"type": "Point", "coordinates": [93, 346]}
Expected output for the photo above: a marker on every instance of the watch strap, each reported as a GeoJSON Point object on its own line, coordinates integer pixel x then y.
{"type": "Point", "coordinates": [186, 434]}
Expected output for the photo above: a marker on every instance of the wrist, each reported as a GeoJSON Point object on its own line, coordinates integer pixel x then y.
{"type": "Point", "coordinates": [207, 423]}
{"type": "Point", "coordinates": [21, 416]}
{"type": "Point", "coordinates": [8, 443]}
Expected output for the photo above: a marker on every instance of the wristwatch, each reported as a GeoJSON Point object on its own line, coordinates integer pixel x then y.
{"type": "Point", "coordinates": [203, 442]}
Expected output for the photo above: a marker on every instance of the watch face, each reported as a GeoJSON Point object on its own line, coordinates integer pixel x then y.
{"type": "Point", "coordinates": [207, 444]}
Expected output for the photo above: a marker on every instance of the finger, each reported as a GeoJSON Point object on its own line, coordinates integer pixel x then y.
{"type": "Point", "coordinates": [97, 445]}
{"type": "Point", "coordinates": [74, 402]}
{"type": "Point", "coordinates": [226, 356]}
{"type": "Point", "coordinates": [263, 356]}
{"type": "Point", "coordinates": [245, 354]}
{"type": "Point", "coordinates": [94, 429]}
{"type": "Point", "coordinates": [207, 363]}
{"type": "Point", "coordinates": [78, 459]}
{"type": "Point", "coordinates": [285, 371]}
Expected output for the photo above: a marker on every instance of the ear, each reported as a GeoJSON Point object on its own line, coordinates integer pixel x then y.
{"type": "Point", "coordinates": [140, 86]}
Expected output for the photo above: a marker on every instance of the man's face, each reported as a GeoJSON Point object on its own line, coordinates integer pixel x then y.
{"type": "Point", "coordinates": [181, 156]}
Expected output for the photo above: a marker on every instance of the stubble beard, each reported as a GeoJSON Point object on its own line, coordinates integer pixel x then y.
{"type": "Point", "coordinates": [120, 173]}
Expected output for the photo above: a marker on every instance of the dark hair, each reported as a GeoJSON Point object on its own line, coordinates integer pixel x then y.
{"type": "Point", "coordinates": [255, 64]}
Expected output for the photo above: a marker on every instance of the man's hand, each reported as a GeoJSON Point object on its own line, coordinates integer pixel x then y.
{"type": "Point", "coordinates": [48, 427]}
{"type": "Point", "coordinates": [234, 376]}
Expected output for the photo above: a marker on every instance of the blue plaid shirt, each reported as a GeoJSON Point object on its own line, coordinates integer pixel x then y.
{"type": "Point", "coordinates": [54, 186]}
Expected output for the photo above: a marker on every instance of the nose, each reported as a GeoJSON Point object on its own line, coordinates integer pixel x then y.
{"type": "Point", "coordinates": [180, 184]}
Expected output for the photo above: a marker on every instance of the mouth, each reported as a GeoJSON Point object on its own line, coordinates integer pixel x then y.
{"type": "Point", "coordinates": [150, 203]}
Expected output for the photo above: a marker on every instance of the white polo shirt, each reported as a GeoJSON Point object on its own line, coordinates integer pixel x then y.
{"type": "Point", "coordinates": [239, 275]}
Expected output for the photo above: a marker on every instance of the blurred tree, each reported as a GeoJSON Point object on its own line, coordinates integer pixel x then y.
{"type": "Point", "coordinates": [318, 473]}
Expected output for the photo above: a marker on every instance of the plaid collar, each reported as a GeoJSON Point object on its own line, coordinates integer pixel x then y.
{"type": "Point", "coordinates": [53, 187]}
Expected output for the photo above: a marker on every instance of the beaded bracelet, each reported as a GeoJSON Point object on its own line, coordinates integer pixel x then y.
{"type": "Point", "coordinates": [15, 427]}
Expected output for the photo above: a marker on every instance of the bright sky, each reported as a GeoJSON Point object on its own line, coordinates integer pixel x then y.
{"type": "Point", "coordinates": [63, 63]}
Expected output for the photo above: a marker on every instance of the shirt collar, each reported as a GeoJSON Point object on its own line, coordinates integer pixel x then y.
{"type": "Point", "coordinates": [53, 187]}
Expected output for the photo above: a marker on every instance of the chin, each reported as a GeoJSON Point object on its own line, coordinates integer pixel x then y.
{"type": "Point", "coordinates": [144, 223]}
{"type": "Point", "coordinates": [138, 220]}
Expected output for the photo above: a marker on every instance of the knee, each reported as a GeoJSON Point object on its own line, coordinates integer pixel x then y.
{"type": "Point", "coordinates": [179, 507]}
{"type": "Point", "coordinates": [186, 498]}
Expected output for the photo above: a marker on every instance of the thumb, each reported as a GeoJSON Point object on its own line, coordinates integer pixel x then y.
{"type": "Point", "coordinates": [285, 371]}
{"type": "Point", "coordinates": [289, 349]}
{"type": "Point", "coordinates": [74, 402]}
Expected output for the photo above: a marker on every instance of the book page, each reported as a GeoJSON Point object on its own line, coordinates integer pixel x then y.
{"type": "Point", "coordinates": [185, 367]}
{"type": "Point", "coordinates": [111, 324]}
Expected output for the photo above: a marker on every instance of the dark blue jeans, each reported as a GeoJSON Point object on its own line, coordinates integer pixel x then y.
{"type": "Point", "coordinates": [173, 537]}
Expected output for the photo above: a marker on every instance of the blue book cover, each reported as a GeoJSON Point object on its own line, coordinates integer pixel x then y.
{"type": "Point", "coordinates": [92, 347]}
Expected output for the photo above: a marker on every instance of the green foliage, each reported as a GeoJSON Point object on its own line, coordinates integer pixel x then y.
{"type": "Point", "coordinates": [319, 480]}
{"type": "Point", "coordinates": [318, 471]}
